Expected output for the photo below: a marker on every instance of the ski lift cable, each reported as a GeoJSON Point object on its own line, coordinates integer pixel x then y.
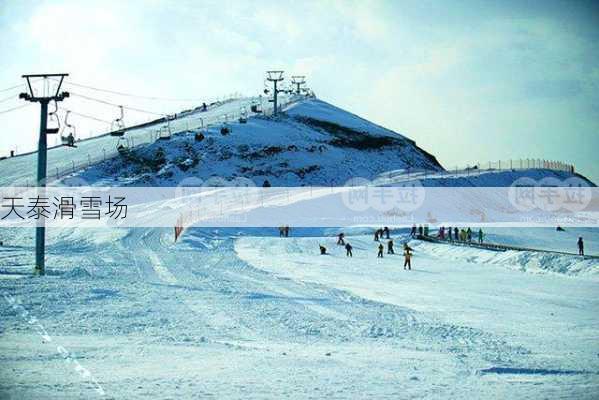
{"type": "Point", "coordinates": [132, 95]}
{"type": "Point", "coordinates": [117, 105]}
{"type": "Point", "coordinates": [84, 115]}
{"type": "Point", "coordinates": [12, 87]}
{"type": "Point", "coordinates": [15, 108]}
{"type": "Point", "coordinates": [19, 86]}
{"type": "Point", "coordinates": [11, 97]}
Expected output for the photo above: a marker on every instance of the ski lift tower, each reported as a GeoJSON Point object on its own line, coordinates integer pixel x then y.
{"type": "Point", "coordinates": [42, 149]}
{"type": "Point", "coordinates": [298, 81]}
{"type": "Point", "coordinates": [275, 77]}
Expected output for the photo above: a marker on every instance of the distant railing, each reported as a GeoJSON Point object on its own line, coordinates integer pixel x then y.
{"type": "Point", "coordinates": [479, 168]}
{"type": "Point", "coordinates": [184, 122]}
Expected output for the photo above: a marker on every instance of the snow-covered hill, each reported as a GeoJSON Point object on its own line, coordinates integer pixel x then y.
{"type": "Point", "coordinates": [312, 143]}
{"type": "Point", "coordinates": [242, 313]}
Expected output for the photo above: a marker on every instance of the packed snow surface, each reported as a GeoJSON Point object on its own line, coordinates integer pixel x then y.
{"type": "Point", "coordinates": [246, 314]}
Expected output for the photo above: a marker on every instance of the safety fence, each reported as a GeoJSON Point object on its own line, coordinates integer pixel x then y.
{"type": "Point", "coordinates": [497, 246]}
{"type": "Point", "coordinates": [150, 132]}
{"type": "Point", "coordinates": [477, 169]}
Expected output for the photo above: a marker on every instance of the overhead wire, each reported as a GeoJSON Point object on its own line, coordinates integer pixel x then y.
{"type": "Point", "coordinates": [85, 115]}
{"type": "Point", "coordinates": [130, 94]}
{"type": "Point", "coordinates": [11, 88]}
{"type": "Point", "coordinates": [15, 108]}
{"type": "Point", "coordinates": [116, 105]}
{"type": "Point", "coordinates": [11, 97]}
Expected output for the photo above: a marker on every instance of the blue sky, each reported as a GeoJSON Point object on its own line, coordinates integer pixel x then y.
{"type": "Point", "coordinates": [467, 80]}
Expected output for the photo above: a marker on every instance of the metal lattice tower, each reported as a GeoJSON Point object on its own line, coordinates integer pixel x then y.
{"type": "Point", "coordinates": [42, 149]}
{"type": "Point", "coordinates": [275, 77]}
{"type": "Point", "coordinates": [298, 81]}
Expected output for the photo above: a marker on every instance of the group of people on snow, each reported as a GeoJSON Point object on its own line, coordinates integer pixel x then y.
{"type": "Point", "coordinates": [379, 235]}
{"type": "Point", "coordinates": [449, 233]}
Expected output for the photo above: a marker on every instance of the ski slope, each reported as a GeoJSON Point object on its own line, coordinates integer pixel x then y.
{"type": "Point", "coordinates": [314, 142]}
{"type": "Point", "coordinates": [231, 313]}
{"type": "Point", "coordinates": [242, 313]}
{"type": "Point", "coordinates": [21, 170]}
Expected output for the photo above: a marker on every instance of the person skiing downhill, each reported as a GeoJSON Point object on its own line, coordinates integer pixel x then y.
{"type": "Point", "coordinates": [390, 247]}
{"type": "Point", "coordinates": [340, 240]}
{"type": "Point", "coordinates": [348, 249]}
{"type": "Point", "coordinates": [580, 246]}
{"type": "Point", "coordinates": [380, 254]}
{"type": "Point", "coordinates": [407, 253]}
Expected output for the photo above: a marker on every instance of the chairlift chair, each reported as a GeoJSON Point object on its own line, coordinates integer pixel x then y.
{"type": "Point", "coordinates": [243, 116]}
{"type": "Point", "coordinates": [164, 133]}
{"type": "Point", "coordinates": [225, 129]}
{"type": "Point", "coordinates": [54, 120]}
{"type": "Point", "coordinates": [122, 145]}
{"type": "Point", "coordinates": [68, 139]}
{"type": "Point", "coordinates": [117, 127]}
{"type": "Point", "coordinates": [255, 107]}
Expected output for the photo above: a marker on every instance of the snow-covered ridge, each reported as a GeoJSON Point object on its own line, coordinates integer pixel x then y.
{"type": "Point", "coordinates": [312, 143]}
{"type": "Point", "coordinates": [529, 261]}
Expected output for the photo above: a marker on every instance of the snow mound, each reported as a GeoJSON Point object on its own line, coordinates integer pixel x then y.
{"type": "Point", "coordinates": [77, 273]}
{"type": "Point", "coordinates": [313, 143]}
{"type": "Point", "coordinates": [528, 261]}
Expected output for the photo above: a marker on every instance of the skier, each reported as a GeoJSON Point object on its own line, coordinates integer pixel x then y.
{"type": "Point", "coordinates": [376, 235]}
{"type": "Point", "coordinates": [204, 107]}
{"type": "Point", "coordinates": [340, 240]}
{"type": "Point", "coordinates": [390, 247]}
{"type": "Point", "coordinates": [386, 232]}
{"type": "Point", "coordinates": [442, 233]}
{"type": "Point", "coordinates": [413, 232]}
{"type": "Point", "coordinates": [420, 231]}
{"type": "Point", "coordinates": [456, 233]}
{"type": "Point", "coordinates": [425, 230]}
{"type": "Point", "coordinates": [407, 254]}
{"type": "Point", "coordinates": [380, 254]}
{"type": "Point", "coordinates": [323, 250]}
{"type": "Point", "coordinates": [71, 140]}
{"type": "Point", "coordinates": [449, 232]}
{"type": "Point", "coordinates": [480, 235]}
{"type": "Point", "coordinates": [348, 249]}
{"type": "Point", "coordinates": [287, 230]}
{"type": "Point", "coordinates": [580, 246]}
{"type": "Point", "coordinates": [469, 234]}
{"type": "Point", "coordinates": [281, 231]}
